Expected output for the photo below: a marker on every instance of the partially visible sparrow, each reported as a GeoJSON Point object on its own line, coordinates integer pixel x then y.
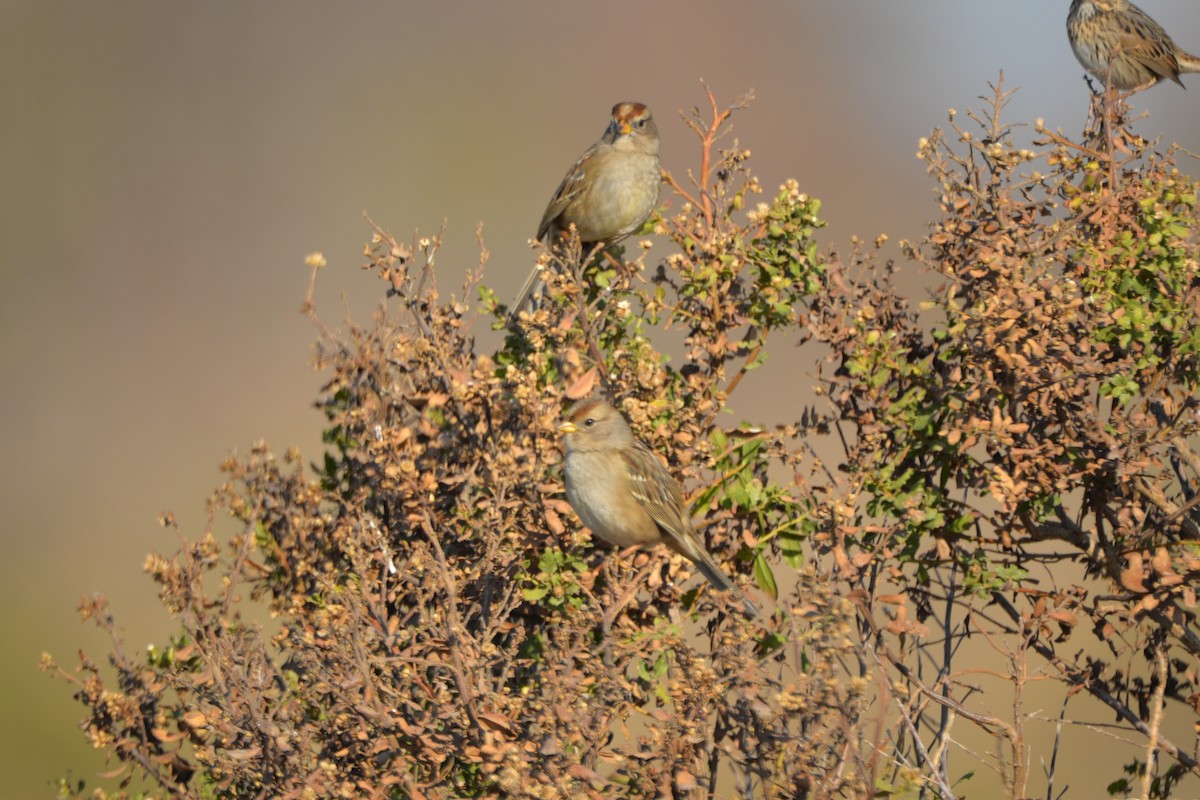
{"type": "Point", "coordinates": [1117, 33]}
{"type": "Point", "coordinates": [620, 490]}
{"type": "Point", "coordinates": [607, 194]}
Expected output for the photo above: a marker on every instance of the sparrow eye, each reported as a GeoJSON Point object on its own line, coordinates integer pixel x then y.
{"type": "Point", "coordinates": [641, 123]}
{"type": "Point", "coordinates": [589, 422]}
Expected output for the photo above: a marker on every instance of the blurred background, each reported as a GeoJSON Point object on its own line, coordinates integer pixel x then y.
{"type": "Point", "coordinates": [167, 166]}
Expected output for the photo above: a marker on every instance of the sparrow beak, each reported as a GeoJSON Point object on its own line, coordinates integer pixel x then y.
{"type": "Point", "coordinates": [567, 427]}
{"type": "Point", "coordinates": [624, 128]}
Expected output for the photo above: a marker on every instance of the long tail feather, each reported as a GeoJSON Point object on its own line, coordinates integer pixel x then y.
{"type": "Point", "coordinates": [695, 552]}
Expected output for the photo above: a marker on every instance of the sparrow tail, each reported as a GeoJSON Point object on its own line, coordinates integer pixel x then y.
{"type": "Point", "coordinates": [722, 582]}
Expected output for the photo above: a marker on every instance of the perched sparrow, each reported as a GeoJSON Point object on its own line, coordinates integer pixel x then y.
{"type": "Point", "coordinates": [607, 194]}
{"type": "Point", "coordinates": [620, 490]}
{"type": "Point", "coordinates": [1116, 32]}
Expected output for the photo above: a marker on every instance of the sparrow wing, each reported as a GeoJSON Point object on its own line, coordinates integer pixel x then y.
{"type": "Point", "coordinates": [572, 183]}
{"type": "Point", "coordinates": [1144, 41]}
{"type": "Point", "coordinates": [657, 492]}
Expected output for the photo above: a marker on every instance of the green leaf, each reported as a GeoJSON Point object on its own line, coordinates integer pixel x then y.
{"type": "Point", "coordinates": [764, 577]}
{"type": "Point", "coordinates": [535, 593]}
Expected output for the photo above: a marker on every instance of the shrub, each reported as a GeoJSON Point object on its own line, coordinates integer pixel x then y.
{"type": "Point", "coordinates": [1011, 459]}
